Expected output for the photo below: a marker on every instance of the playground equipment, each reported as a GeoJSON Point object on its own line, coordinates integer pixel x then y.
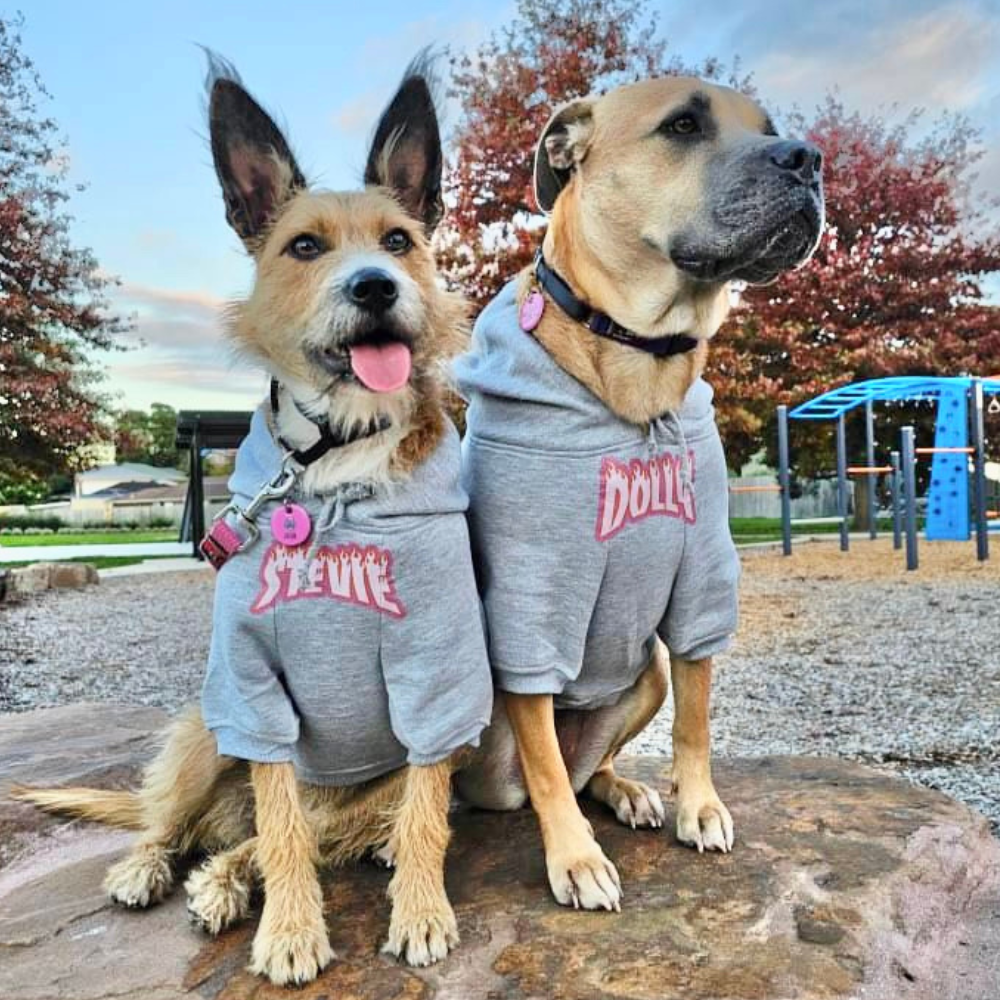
{"type": "Point", "coordinates": [959, 437]}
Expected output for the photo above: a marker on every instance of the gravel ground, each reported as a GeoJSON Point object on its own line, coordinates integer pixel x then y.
{"type": "Point", "coordinates": [837, 654]}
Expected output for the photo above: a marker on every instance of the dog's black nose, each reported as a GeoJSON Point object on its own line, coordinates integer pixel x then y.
{"type": "Point", "coordinates": [800, 158]}
{"type": "Point", "coordinates": [372, 290]}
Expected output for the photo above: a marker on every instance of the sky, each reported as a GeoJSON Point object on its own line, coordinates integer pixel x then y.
{"type": "Point", "coordinates": [125, 80]}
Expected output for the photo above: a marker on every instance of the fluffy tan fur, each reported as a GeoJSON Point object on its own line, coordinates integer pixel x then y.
{"type": "Point", "coordinates": [292, 306]}
{"type": "Point", "coordinates": [258, 820]}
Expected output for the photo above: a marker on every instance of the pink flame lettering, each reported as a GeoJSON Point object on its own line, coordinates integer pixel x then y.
{"type": "Point", "coordinates": [641, 489]}
{"type": "Point", "coordinates": [350, 574]}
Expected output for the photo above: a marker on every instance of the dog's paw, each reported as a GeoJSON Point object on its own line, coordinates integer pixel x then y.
{"type": "Point", "coordinates": [422, 938]}
{"type": "Point", "coordinates": [291, 956]}
{"type": "Point", "coordinates": [704, 822]}
{"type": "Point", "coordinates": [584, 878]}
{"type": "Point", "coordinates": [218, 894]}
{"type": "Point", "coordinates": [142, 879]}
{"type": "Point", "coordinates": [635, 804]}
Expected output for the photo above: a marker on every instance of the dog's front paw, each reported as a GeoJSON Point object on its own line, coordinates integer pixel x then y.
{"type": "Point", "coordinates": [583, 877]}
{"type": "Point", "coordinates": [218, 895]}
{"type": "Point", "coordinates": [635, 804]}
{"type": "Point", "coordinates": [142, 879]}
{"type": "Point", "coordinates": [290, 956]}
{"type": "Point", "coordinates": [704, 822]}
{"type": "Point", "coordinates": [422, 936]}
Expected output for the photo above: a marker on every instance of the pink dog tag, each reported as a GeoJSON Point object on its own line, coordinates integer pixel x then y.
{"type": "Point", "coordinates": [531, 310]}
{"type": "Point", "coordinates": [291, 524]}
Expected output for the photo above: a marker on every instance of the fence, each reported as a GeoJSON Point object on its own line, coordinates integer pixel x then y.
{"type": "Point", "coordinates": [115, 515]}
{"type": "Point", "coordinates": [818, 499]}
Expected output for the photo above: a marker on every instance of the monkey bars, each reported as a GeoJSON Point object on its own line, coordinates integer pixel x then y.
{"type": "Point", "coordinates": [961, 405]}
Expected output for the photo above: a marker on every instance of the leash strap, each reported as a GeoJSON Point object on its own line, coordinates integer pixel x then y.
{"type": "Point", "coordinates": [220, 544]}
{"type": "Point", "coordinates": [602, 324]}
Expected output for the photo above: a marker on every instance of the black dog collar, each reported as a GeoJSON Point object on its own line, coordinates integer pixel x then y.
{"type": "Point", "coordinates": [328, 438]}
{"type": "Point", "coordinates": [602, 324]}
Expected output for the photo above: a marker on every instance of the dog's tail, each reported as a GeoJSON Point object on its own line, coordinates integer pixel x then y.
{"type": "Point", "coordinates": [115, 808]}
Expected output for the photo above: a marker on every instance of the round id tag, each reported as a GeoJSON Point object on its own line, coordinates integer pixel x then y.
{"type": "Point", "coordinates": [532, 307]}
{"type": "Point", "coordinates": [291, 524]}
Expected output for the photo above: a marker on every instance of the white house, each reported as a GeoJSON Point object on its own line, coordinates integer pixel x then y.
{"type": "Point", "coordinates": [106, 476]}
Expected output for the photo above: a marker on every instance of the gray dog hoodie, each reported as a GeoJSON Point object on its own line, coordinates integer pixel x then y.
{"type": "Point", "coordinates": [591, 535]}
{"type": "Point", "coordinates": [365, 657]}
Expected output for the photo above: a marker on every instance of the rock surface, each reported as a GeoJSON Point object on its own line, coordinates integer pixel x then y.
{"type": "Point", "coordinates": [843, 883]}
{"type": "Point", "coordinates": [26, 580]}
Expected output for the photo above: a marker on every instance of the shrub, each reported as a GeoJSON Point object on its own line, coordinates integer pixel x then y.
{"type": "Point", "coordinates": [30, 521]}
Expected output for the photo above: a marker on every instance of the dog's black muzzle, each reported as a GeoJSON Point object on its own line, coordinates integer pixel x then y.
{"type": "Point", "coordinates": [766, 215]}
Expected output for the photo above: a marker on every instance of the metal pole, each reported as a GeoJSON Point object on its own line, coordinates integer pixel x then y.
{"type": "Point", "coordinates": [979, 469]}
{"type": "Point", "coordinates": [845, 542]}
{"type": "Point", "coordinates": [783, 481]}
{"type": "Point", "coordinates": [197, 494]}
{"type": "Point", "coordinates": [897, 511]}
{"type": "Point", "coordinates": [870, 455]}
{"type": "Point", "coordinates": [909, 460]}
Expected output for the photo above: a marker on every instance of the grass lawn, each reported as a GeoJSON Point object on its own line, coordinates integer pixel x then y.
{"type": "Point", "coordinates": [747, 530]}
{"type": "Point", "coordinates": [91, 537]}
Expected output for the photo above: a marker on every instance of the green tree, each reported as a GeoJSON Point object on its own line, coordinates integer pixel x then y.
{"type": "Point", "coordinates": [147, 437]}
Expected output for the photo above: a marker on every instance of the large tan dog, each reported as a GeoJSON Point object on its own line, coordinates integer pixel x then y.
{"type": "Point", "coordinates": [661, 193]}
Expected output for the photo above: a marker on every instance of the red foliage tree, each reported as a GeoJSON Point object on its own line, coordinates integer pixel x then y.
{"type": "Point", "coordinates": [553, 51]}
{"type": "Point", "coordinates": [53, 307]}
{"type": "Point", "coordinates": [895, 287]}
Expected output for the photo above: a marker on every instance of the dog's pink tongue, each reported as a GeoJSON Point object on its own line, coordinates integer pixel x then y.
{"type": "Point", "coordinates": [384, 368]}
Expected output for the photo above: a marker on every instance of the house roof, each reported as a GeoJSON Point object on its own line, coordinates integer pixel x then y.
{"type": "Point", "coordinates": [133, 472]}
{"type": "Point", "coordinates": [215, 487]}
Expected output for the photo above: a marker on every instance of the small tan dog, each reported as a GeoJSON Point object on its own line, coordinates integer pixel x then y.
{"type": "Point", "coordinates": [349, 318]}
{"type": "Point", "coordinates": [595, 472]}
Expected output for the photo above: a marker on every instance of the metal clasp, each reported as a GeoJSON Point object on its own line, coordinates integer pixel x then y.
{"type": "Point", "coordinates": [277, 489]}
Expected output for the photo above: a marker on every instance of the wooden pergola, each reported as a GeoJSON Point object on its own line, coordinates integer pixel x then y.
{"type": "Point", "coordinates": [197, 431]}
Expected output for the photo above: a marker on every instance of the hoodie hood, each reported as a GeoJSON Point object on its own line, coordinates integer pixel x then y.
{"type": "Point", "coordinates": [432, 488]}
{"type": "Point", "coordinates": [515, 388]}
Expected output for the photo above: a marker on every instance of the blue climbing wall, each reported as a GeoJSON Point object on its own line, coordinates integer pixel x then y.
{"type": "Point", "coordinates": [948, 499]}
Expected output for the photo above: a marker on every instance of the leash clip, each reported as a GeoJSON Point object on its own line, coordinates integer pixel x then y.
{"type": "Point", "coordinates": [222, 540]}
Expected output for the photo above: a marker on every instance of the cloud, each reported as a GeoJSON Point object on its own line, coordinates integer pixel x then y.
{"type": "Point", "coordinates": [180, 354]}
{"type": "Point", "coordinates": [937, 60]}
{"type": "Point", "coordinates": [177, 333]}
{"type": "Point", "coordinates": [219, 378]}
{"type": "Point", "coordinates": [392, 51]}
{"type": "Point", "coordinates": [358, 115]}
{"type": "Point", "coordinates": [169, 303]}
{"type": "Point", "coordinates": [208, 376]}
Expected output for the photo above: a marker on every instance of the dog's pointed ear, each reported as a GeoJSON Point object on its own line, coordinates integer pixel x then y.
{"type": "Point", "coordinates": [405, 154]}
{"type": "Point", "coordinates": [253, 161]}
{"type": "Point", "coordinates": [561, 149]}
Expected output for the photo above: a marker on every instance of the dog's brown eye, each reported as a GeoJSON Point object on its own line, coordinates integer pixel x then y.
{"type": "Point", "coordinates": [305, 247]}
{"type": "Point", "coordinates": [397, 241]}
{"type": "Point", "coordinates": [681, 125]}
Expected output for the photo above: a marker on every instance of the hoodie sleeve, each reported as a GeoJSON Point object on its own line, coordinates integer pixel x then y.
{"type": "Point", "coordinates": [244, 700]}
{"type": "Point", "coordinates": [704, 604]}
{"type": "Point", "coordinates": [434, 653]}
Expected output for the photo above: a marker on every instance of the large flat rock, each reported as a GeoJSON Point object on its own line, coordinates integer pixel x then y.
{"type": "Point", "coordinates": [843, 883]}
